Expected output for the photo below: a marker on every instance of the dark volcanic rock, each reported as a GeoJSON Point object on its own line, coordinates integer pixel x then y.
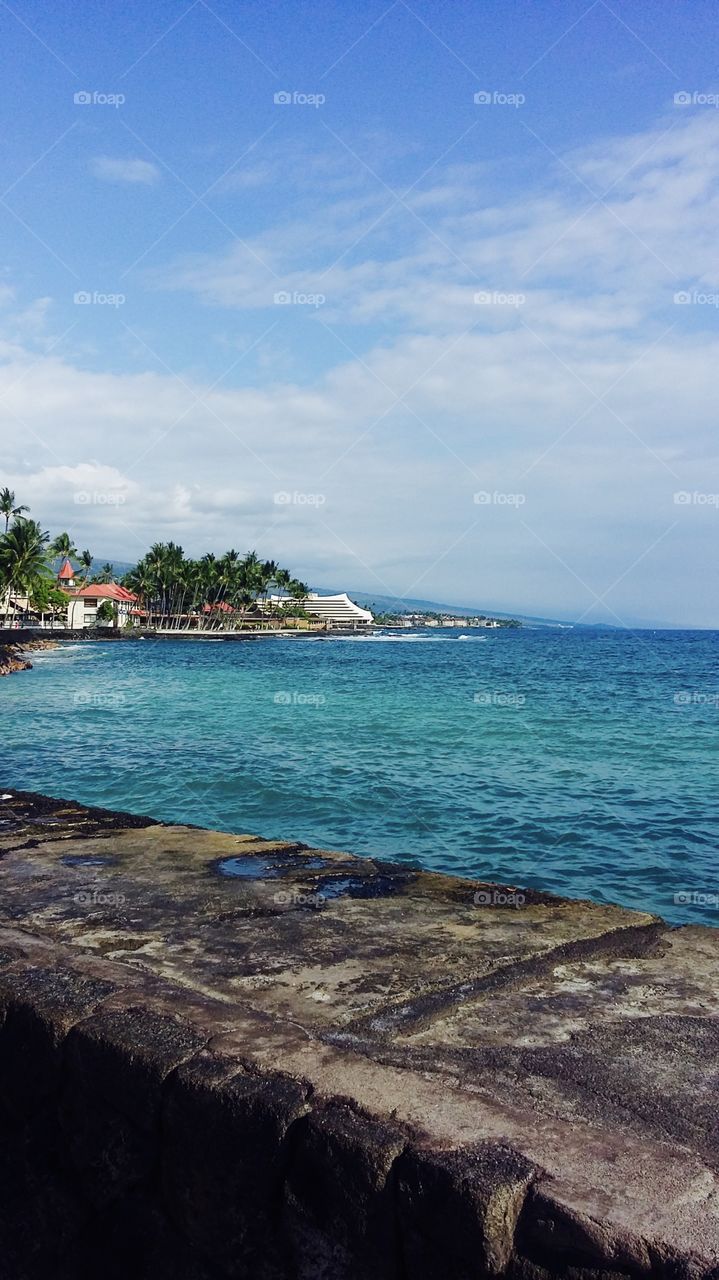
{"type": "Point", "coordinates": [340, 1192]}
{"type": "Point", "coordinates": [319, 1067]}
{"type": "Point", "coordinates": [458, 1210]}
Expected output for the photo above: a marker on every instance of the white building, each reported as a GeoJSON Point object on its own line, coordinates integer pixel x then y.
{"type": "Point", "coordinates": [337, 611]}
{"type": "Point", "coordinates": [84, 602]}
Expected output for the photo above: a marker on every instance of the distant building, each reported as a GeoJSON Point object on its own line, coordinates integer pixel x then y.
{"type": "Point", "coordinates": [339, 612]}
{"type": "Point", "coordinates": [85, 601]}
{"type": "Point", "coordinates": [66, 575]}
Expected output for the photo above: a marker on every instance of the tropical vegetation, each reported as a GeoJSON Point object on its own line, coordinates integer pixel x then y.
{"type": "Point", "coordinates": [8, 508]}
{"type": "Point", "coordinates": [212, 593]}
{"type": "Point", "coordinates": [218, 592]}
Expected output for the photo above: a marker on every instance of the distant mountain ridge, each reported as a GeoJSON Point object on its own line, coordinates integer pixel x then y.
{"type": "Point", "coordinates": [400, 604]}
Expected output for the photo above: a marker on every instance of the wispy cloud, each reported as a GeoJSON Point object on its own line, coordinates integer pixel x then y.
{"type": "Point", "coordinates": [577, 383]}
{"type": "Point", "coordinates": [114, 169]}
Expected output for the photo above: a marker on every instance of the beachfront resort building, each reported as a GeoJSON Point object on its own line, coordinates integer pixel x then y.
{"type": "Point", "coordinates": [85, 598]}
{"type": "Point", "coordinates": [85, 601]}
{"type": "Point", "coordinates": [339, 612]}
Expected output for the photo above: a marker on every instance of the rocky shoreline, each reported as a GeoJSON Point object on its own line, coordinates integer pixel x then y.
{"type": "Point", "coordinates": [12, 656]}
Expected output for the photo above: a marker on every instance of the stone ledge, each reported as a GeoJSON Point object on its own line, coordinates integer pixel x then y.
{"type": "Point", "coordinates": [319, 1066]}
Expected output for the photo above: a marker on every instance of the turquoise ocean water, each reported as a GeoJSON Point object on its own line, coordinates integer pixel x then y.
{"type": "Point", "coordinates": [577, 761]}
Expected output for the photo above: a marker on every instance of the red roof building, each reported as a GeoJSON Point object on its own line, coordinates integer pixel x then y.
{"type": "Point", "coordinates": [66, 573]}
{"type": "Point", "coordinates": [83, 604]}
{"type": "Point", "coordinates": [106, 591]}
{"type": "Point", "coordinates": [220, 607]}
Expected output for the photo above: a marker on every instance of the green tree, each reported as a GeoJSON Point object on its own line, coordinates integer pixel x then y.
{"type": "Point", "coordinates": [85, 564]}
{"type": "Point", "coordinates": [47, 598]}
{"type": "Point", "coordinates": [63, 545]}
{"type": "Point", "coordinates": [24, 570]}
{"type": "Point", "coordinates": [107, 612]}
{"type": "Point", "coordinates": [8, 508]}
{"type": "Point", "coordinates": [212, 593]}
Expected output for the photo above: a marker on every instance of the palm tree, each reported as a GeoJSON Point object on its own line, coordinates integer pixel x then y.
{"type": "Point", "coordinates": [105, 574]}
{"type": "Point", "coordinates": [85, 564]}
{"type": "Point", "coordinates": [8, 508]}
{"type": "Point", "coordinates": [211, 593]}
{"type": "Point", "coordinates": [23, 560]}
{"type": "Point", "coordinates": [283, 579]}
{"type": "Point", "coordinates": [64, 546]}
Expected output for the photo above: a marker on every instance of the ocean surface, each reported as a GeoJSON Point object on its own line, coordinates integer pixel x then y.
{"type": "Point", "coordinates": [583, 762]}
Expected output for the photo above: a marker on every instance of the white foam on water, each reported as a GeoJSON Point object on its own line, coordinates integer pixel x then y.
{"type": "Point", "coordinates": [70, 652]}
{"type": "Point", "coordinates": [414, 639]}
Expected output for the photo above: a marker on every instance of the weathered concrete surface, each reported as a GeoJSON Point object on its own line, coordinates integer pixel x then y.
{"type": "Point", "coordinates": [325, 1067]}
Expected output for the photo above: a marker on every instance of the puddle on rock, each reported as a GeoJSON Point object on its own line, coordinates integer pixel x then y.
{"type": "Point", "coordinates": [87, 860]}
{"type": "Point", "coordinates": [255, 867]}
{"type": "Point", "coordinates": [362, 887]}
{"type": "Point", "coordinates": [247, 868]}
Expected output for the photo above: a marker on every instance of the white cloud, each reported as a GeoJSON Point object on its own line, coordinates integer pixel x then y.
{"type": "Point", "coordinates": [114, 169]}
{"type": "Point", "coordinates": [594, 398]}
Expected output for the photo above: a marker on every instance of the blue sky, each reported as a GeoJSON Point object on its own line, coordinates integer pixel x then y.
{"type": "Point", "coordinates": [403, 340]}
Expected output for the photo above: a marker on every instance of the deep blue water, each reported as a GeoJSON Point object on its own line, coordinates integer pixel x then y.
{"type": "Point", "coordinates": [577, 761]}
